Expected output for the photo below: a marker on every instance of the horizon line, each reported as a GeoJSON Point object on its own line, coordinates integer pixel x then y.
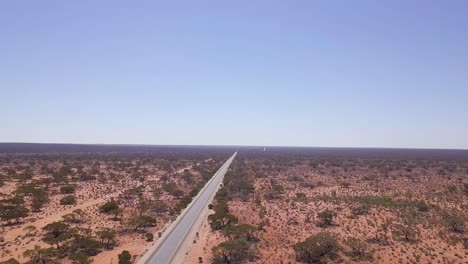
{"type": "Point", "coordinates": [216, 145]}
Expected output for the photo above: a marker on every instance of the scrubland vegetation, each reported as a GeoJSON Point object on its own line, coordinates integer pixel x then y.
{"type": "Point", "coordinates": [275, 206]}
{"type": "Point", "coordinates": [101, 207]}
{"type": "Point", "coordinates": [340, 206]}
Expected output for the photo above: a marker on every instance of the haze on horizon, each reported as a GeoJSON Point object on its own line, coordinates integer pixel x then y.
{"type": "Point", "coordinates": [308, 73]}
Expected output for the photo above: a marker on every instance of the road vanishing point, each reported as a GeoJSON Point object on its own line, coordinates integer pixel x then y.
{"type": "Point", "coordinates": [176, 239]}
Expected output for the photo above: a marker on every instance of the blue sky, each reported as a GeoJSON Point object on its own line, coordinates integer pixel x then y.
{"type": "Point", "coordinates": [302, 73]}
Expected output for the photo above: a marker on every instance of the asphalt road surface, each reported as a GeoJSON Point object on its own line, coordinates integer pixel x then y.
{"type": "Point", "coordinates": [171, 245]}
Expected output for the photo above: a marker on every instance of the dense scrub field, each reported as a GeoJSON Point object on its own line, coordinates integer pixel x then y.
{"type": "Point", "coordinates": [81, 203]}
{"type": "Point", "coordinates": [339, 205]}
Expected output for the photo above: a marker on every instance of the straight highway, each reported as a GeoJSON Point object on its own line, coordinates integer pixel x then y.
{"type": "Point", "coordinates": [170, 249]}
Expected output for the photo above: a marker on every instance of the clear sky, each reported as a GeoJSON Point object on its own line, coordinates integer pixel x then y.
{"type": "Point", "coordinates": [301, 73]}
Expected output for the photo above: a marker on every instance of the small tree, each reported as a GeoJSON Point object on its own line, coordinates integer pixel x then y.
{"type": "Point", "coordinates": [149, 237]}
{"type": "Point", "coordinates": [455, 222]}
{"type": "Point", "coordinates": [407, 227]}
{"type": "Point", "coordinates": [316, 248]}
{"type": "Point", "coordinates": [56, 233]}
{"type": "Point", "coordinates": [86, 244]}
{"type": "Point", "coordinates": [143, 206]}
{"type": "Point", "coordinates": [172, 189]}
{"type": "Point", "coordinates": [159, 208]}
{"type": "Point", "coordinates": [326, 218]}
{"type": "Point", "coordinates": [111, 208]}
{"type": "Point", "coordinates": [220, 220]}
{"type": "Point", "coordinates": [80, 258]}
{"type": "Point", "coordinates": [245, 231]}
{"type": "Point", "coordinates": [39, 255]}
{"type": "Point", "coordinates": [233, 251]}
{"type": "Point", "coordinates": [188, 177]}
{"type": "Point", "coordinates": [68, 200]}
{"type": "Point", "coordinates": [381, 232]}
{"type": "Point", "coordinates": [13, 212]}
{"type": "Point", "coordinates": [358, 249]}
{"type": "Point", "coordinates": [141, 222]}
{"type": "Point", "coordinates": [125, 257]}
{"type": "Point", "coordinates": [19, 199]}
{"type": "Point", "coordinates": [10, 261]}
{"type": "Point", "coordinates": [75, 217]}
{"type": "Point", "coordinates": [107, 237]}
{"type": "Point", "coordinates": [177, 193]}
{"type": "Point", "coordinates": [67, 189]}
{"type": "Point", "coordinates": [39, 199]}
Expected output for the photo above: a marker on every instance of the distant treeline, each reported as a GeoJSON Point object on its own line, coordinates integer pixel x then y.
{"type": "Point", "coordinates": [267, 152]}
{"type": "Point", "coordinates": [102, 148]}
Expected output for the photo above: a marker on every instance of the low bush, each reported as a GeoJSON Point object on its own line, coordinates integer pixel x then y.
{"type": "Point", "coordinates": [68, 200]}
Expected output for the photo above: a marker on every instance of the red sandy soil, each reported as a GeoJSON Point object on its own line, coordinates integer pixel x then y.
{"type": "Point", "coordinates": [338, 185]}
{"type": "Point", "coordinates": [115, 179]}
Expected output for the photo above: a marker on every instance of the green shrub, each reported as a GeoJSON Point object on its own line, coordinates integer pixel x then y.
{"type": "Point", "coordinates": [358, 249]}
{"type": "Point", "coordinates": [10, 261]}
{"type": "Point", "coordinates": [149, 237]}
{"type": "Point", "coordinates": [125, 257]}
{"type": "Point", "coordinates": [422, 206]}
{"type": "Point", "coordinates": [233, 251]}
{"type": "Point", "coordinates": [67, 189]}
{"type": "Point", "coordinates": [68, 200]}
{"type": "Point", "coordinates": [317, 248]}
{"type": "Point", "coordinates": [80, 258]}
{"type": "Point", "coordinates": [326, 218]}
{"type": "Point", "coordinates": [455, 222]}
